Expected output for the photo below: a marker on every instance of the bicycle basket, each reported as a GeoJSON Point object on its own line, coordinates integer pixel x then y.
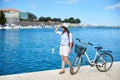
{"type": "Point", "coordinates": [79, 49]}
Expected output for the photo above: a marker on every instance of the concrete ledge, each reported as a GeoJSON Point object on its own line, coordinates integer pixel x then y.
{"type": "Point", "coordinates": [85, 73]}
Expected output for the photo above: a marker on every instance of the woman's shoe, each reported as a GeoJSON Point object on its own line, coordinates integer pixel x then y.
{"type": "Point", "coordinates": [61, 72]}
{"type": "Point", "coordinates": [72, 70]}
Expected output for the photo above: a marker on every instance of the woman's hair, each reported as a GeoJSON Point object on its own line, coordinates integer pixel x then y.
{"type": "Point", "coordinates": [65, 30]}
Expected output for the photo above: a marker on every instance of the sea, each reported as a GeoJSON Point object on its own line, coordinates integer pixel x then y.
{"type": "Point", "coordinates": [32, 50]}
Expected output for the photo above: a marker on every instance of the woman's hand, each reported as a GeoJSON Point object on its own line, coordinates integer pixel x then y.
{"type": "Point", "coordinates": [69, 51]}
{"type": "Point", "coordinates": [57, 27]}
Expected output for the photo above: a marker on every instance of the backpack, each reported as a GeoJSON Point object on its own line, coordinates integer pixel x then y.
{"type": "Point", "coordinates": [72, 42]}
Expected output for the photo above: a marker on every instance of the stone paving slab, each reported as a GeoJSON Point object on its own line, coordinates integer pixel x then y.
{"type": "Point", "coordinates": [85, 73]}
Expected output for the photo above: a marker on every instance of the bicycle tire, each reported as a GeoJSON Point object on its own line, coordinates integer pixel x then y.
{"type": "Point", "coordinates": [105, 65]}
{"type": "Point", "coordinates": [75, 66]}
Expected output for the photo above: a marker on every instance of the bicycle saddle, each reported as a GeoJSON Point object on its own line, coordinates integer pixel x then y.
{"type": "Point", "coordinates": [106, 51]}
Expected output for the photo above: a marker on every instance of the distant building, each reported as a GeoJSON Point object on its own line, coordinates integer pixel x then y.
{"type": "Point", "coordinates": [13, 16]}
{"type": "Point", "coordinates": [23, 15]}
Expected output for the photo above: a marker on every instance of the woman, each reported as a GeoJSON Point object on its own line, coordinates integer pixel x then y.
{"type": "Point", "coordinates": [65, 45]}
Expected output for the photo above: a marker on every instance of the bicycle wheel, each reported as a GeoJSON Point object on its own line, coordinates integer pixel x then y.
{"type": "Point", "coordinates": [75, 66]}
{"type": "Point", "coordinates": [104, 62]}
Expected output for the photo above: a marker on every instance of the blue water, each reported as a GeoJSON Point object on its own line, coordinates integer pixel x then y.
{"type": "Point", "coordinates": [29, 50]}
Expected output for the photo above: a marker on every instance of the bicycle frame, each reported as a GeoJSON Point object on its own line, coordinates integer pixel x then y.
{"type": "Point", "coordinates": [99, 60]}
{"type": "Point", "coordinates": [92, 62]}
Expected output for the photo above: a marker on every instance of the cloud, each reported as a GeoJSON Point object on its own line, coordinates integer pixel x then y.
{"type": "Point", "coordinates": [6, 0]}
{"type": "Point", "coordinates": [111, 7]}
{"type": "Point", "coordinates": [68, 2]}
{"type": "Point", "coordinates": [32, 5]}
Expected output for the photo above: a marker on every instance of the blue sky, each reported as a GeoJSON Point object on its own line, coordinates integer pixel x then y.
{"type": "Point", "coordinates": [95, 12]}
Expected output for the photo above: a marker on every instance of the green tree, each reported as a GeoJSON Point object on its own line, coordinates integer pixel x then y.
{"type": "Point", "coordinates": [2, 18]}
{"type": "Point", "coordinates": [48, 19]}
{"type": "Point", "coordinates": [71, 20]}
{"type": "Point", "coordinates": [42, 19]}
{"type": "Point", "coordinates": [45, 19]}
{"type": "Point", "coordinates": [54, 19]}
{"type": "Point", "coordinates": [31, 16]}
{"type": "Point", "coordinates": [66, 20]}
{"type": "Point", "coordinates": [77, 21]}
{"type": "Point", "coordinates": [57, 20]}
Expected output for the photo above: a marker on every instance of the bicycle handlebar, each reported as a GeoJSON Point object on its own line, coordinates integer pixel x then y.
{"type": "Point", "coordinates": [78, 39]}
{"type": "Point", "coordinates": [84, 43]}
{"type": "Point", "coordinates": [90, 44]}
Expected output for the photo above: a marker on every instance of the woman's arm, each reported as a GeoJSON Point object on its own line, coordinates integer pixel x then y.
{"type": "Point", "coordinates": [70, 43]}
{"type": "Point", "coordinates": [70, 47]}
{"type": "Point", "coordinates": [57, 27]}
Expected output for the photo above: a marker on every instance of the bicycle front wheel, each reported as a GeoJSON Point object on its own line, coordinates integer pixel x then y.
{"type": "Point", "coordinates": [104, 62]}
{"type": "Point", "coordinates": [75, 66]}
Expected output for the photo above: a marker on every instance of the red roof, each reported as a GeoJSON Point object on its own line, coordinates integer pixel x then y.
{"type": "Point", "coordinates": [9, 10]}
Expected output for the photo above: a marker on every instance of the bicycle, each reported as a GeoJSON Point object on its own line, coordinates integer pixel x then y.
{"type": "Point", "coordinates": [103, 60]}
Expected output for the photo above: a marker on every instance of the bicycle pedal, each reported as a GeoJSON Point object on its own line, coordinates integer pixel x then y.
{"type": "Point", "coordinates": [90, 64]}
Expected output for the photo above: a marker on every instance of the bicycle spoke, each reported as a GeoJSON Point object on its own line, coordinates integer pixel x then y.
{"type": "Point", "coordinates": [104, 62]}
{"type": "Point", "coordinates": [76, 65]}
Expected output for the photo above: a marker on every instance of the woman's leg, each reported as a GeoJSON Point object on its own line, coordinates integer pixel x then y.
{"type": "Point", "coordinates": [63, 63]}
{"type": "Point", "coordinates": [66, 60]}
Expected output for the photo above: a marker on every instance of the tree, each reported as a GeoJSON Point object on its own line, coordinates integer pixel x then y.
{"type": "Point", "coordinates": [77, 21]}
{"type": "Point", "coordinates": [31, 16]}
{"type": "Point", "coordinates": [57, 20]}
{"type": "Point", "coordinates": [48, 19]}
{"type": "Point", "coordinates": [66, 20]}
{"type": "Point", "coordinates": [71, 20]}
{"type": "Point", "coordinates": [2, 18]}
{"type": "Point", "coordinates": [42, 19]}
{"type": "Point", "coordinates": [45, 19]}
{"type": "Point", "coordinates": [54, 19]}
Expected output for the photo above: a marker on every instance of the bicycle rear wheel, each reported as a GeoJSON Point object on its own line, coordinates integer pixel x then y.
{"type": "Point", "coordinates": [75, 66]}
{"type": "Point", "coordinates": [104, 62]}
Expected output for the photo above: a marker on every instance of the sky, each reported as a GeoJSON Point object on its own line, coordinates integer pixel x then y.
{"type": "Point", "coordinates": [94, 12]}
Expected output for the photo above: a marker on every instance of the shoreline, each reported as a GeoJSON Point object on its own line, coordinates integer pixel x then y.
{"type": "Point", "coordinates": [40, 27]}
{"type": "Point", "coordinates": [85, 72]}
{"type": "Point", "coordinates": [52, 25]}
